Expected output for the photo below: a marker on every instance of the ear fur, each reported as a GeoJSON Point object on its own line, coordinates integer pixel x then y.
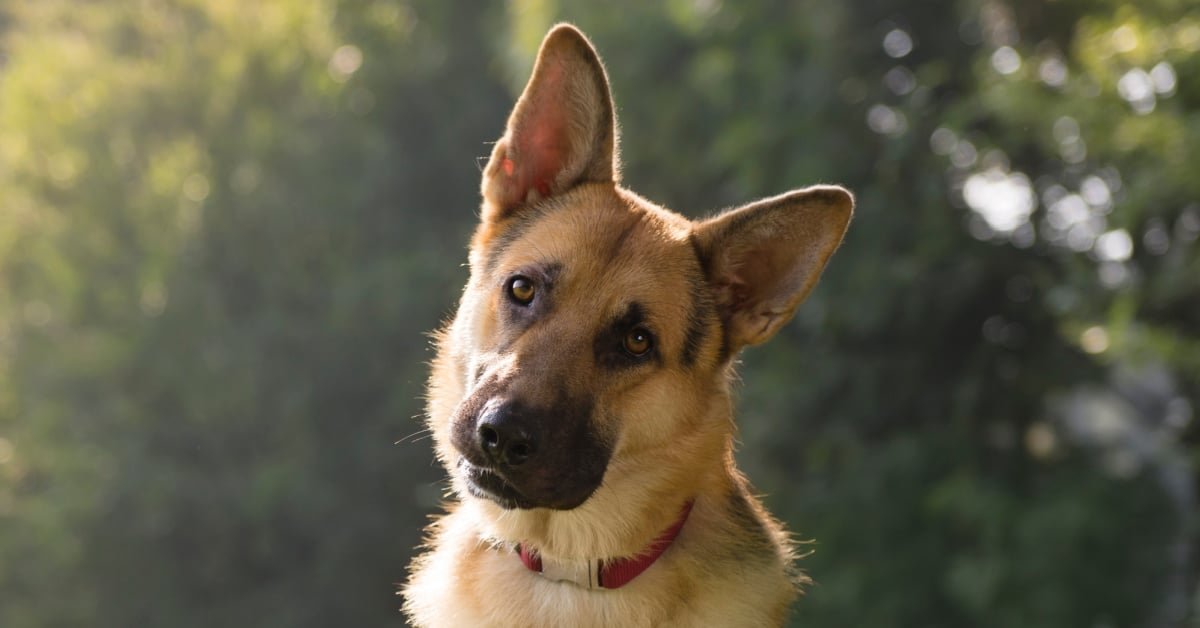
{"type": "Point", "coordinates": [763, 259]}
{"type": "Point", "coordinates": [561, 132]}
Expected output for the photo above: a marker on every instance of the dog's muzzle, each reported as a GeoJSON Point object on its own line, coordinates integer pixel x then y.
{"type": "Point", "coordinates": [521, 456]}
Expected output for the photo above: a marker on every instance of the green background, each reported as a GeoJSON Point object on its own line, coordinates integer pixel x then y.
{"type": "Point", "coordinates": [226, 227]}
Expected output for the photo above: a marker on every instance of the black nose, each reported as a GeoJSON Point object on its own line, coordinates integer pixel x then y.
{"type": "Point", "coordinates": [503, 437]}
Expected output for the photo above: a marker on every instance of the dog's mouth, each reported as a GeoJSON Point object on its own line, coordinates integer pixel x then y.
{"type": "Point", "coordinates": [485, 483]}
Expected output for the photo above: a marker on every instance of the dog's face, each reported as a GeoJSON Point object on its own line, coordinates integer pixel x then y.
{"type": "Point", "coordinates": [592, 342]}
{"type": "Point", "coordinates": [585, 317]}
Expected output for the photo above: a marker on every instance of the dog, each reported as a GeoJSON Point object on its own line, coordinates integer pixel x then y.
{"type": "Point", "coordinates": [580, 397]}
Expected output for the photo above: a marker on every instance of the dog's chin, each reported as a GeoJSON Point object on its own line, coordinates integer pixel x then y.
{"type": "Point", "coordinates": [484, 483]}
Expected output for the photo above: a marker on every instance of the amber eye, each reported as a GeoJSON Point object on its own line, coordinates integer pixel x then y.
{"type": "Point", "coordinates": [521, 290]}
{"type": "Point", "coordinates": [637, 342]}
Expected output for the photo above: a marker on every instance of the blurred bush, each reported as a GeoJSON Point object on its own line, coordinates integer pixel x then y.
{"type": "Point", "coordinates": [227, 226]}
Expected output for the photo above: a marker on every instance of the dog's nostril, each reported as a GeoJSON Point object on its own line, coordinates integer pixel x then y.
{"type": "Point", "coordinates": [518, 452]}
{"type": "Point", "coordinates": [504, 445]}
{"type": "Point", "coordinates": [489, 437]}
{"type": "Point", "coordinates": [504, 438]}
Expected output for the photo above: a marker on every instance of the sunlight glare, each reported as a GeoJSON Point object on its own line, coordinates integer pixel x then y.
{"type": "Point", "coordinates": [1004, 200]}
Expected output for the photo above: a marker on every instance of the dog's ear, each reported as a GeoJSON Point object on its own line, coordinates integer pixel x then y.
{"type": "Point", "coordinates": [763, 259]}
{"type": "Point", "coordinates": [561, 132]}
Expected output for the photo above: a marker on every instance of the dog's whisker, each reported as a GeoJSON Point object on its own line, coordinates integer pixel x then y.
{"type": "Point", "coordinates": [420, 434]}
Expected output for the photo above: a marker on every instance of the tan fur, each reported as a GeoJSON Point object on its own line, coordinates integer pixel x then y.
{"type": "Point", "coordinates": [551, 195]}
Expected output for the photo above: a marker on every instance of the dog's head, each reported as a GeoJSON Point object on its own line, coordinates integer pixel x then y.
{"type": "Point", "coordinates": [590, 353]}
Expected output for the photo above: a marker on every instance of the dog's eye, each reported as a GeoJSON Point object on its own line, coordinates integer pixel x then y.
{"type": "Point", "coordinates": [521, 290]}
{"type": "Point", "coordinates": [638, 342]}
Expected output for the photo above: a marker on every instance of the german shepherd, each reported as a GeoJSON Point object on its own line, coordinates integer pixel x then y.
{"type": "Point", "coordinates": [580, 397]}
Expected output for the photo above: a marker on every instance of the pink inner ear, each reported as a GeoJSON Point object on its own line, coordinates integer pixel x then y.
{"type": "Point", "coordinates": [541, 138]}
{"type": "Point", "coordinates": [544, 148]}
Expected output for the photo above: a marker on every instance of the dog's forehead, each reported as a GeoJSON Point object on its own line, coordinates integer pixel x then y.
{"type": "Point", "coordinates": [601, 242]}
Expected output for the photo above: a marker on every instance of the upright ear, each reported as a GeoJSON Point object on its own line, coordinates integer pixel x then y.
{"type": "Point", "coordinates": [562, 131]}
{"type": "Point", "coordinates": [763, 259]}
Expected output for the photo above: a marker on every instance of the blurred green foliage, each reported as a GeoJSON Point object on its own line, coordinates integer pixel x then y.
{"type": "Point", "coordinates": [226, 226]}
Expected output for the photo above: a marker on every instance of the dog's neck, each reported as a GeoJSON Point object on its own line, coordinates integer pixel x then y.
{"type": "Point", "coordinates": [604, 573]}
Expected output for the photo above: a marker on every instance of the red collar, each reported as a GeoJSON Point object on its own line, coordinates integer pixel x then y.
{"type": "Point", "coordinates": [603, 573]}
